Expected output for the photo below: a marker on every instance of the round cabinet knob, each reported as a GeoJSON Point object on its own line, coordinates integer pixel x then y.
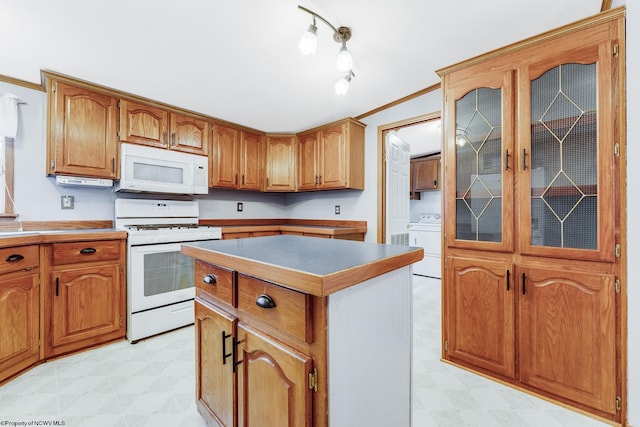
{"type": "Point", "coordinates": [265, 301]}
{"type": "Point", "coordinates": [210, 279]}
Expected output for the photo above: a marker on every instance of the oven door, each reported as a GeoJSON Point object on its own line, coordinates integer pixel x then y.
{"type": "Point", "coordinates": [158, 275]}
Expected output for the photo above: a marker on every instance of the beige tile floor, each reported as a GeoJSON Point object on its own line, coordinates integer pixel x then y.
{"type": "Point", "coordinates": [151, 383]}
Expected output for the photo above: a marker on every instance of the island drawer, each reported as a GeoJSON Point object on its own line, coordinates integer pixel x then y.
{"type": "Point", "coordinates": [282, 308]}
{"type": "Point", "coordinates": [77, 252]}
{"type": "Point", "coordinates": [19, 258]}
{"type": "Point", "coordinates": [213, 283]}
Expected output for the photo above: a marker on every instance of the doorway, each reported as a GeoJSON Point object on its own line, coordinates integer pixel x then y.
{"type": "Point", "coordinates": [410, 131]}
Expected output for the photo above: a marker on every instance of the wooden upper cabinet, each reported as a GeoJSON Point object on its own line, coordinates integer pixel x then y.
{"type": "Point", "coordinates": [479, 133]}
{"type": "Point", "coordinates": [281, 163]}
{"type": "Point", "coordinates": [332, 157]}
{"type": "Point", "coordinates": [223, 157]}
{"type": "Point", "coordinates": [252, 160]}
{"type": "Point", "coordinates": [81, 137]}
{"type": "Point", "coordinates": [237, 159]}
{"type": "Point", "coordinates": [143, 124]}
{"type": "Point", "coordinates": [157, 127]}
{"type": "Point", "coordinates": [426, 174]}
{"type": "Point", "coordinates": [307, 164]}
{"type": "Point", "coordinates": [189, 134]}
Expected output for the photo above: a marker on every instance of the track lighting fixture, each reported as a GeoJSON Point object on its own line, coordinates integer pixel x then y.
{"type": "Point", "coordinates": [309, 40]}
{"type": "Point", "coordinates": [342, 85]}
{"type": "Point", "coordinates": [344, 62]}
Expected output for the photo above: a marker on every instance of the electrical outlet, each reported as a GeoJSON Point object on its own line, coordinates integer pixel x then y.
{"type": "Point", "coordinates": [240, 207]}
{"type": "Point", "coordinates": [337, 208]}
{"type": "Point", "coordinates": [66, 202]}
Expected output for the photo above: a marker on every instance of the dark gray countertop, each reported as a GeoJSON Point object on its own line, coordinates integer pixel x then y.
{"type": "Point", "coordinates": [310, 264]}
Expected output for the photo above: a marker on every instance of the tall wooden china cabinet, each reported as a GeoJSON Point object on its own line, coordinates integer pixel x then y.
{"type": "Point", "coordinates": [532, 289]}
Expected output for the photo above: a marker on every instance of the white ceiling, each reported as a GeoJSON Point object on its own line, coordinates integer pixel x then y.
{"type": "Point", "coordinates": [238, 60]}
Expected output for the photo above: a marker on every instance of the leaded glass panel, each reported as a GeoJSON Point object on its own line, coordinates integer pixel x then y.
{"type": "Point", "coordinates": [478, 165]}
{"type": "Point", "coordinates": [564, 172]}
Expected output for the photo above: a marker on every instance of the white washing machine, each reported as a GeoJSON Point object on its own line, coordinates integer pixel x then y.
{"type": "Point", "coordinates": [427, 233]}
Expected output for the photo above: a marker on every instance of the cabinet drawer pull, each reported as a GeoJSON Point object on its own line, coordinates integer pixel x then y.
{"type": "Point", "coordinates": [506, 160]}
{"type": "Point", "coordinates": [265, 301]}
{"type": "Point", "coordinates": [14, 258]}
{"type": "Point", "coordinates": [88, 251]}
{"type": "Point", "coordinates": [210, 279]}
{"type": "Point", "coordinates": [524, 159]}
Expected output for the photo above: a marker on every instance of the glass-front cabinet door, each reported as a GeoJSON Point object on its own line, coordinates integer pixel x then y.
{"type": "Point", "coordinates": [479, 148]}
{"type": "Point", "coordinates": [566, 154]}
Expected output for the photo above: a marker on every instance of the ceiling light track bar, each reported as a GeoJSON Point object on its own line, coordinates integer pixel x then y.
{"type": "Point", "coordinates": [340, 35]}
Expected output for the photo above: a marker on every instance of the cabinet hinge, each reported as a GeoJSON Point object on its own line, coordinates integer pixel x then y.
{"type": "Point", "coordinates": [53, 165]}
{"type": "Point", "coordinates": [617, 286]}
{"type": "Point", "coordinates": [313, 380]}
{"type": "Point", "coordinates": [618, 403]}
{"type": "Point", "coordinates": [617, 250]}
{"type": "Point", "coordinates": [616, 150]}
{"type": "Point", "coordinates": [120, 320]}
{"type": "Point", "coordinates": [118, 104]}
{"type": "Point", "coordinates": [615, 49]}
{"type": "Point", "coordinates": [446, 345]}
{"type": "Point", "coordinates": [54, 87]}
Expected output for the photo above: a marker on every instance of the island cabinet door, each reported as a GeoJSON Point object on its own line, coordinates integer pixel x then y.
{"type": "Point", "coordinates": [273, 383]}
{"type": "Point", "coordinates": [216, 384]}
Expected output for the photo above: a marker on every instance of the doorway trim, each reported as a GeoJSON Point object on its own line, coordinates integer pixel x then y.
{"type": "Point", "coordinates": [382, 168]}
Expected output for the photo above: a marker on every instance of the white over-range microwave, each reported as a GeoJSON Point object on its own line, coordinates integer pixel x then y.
{"type": "Point", "coordinates": [157, 170]}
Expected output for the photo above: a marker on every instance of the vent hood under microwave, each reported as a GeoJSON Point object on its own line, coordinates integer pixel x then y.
{"type": "Point", "coordinates": [156, 170]}
{"type": "Point", "coordinates": [75, 181]}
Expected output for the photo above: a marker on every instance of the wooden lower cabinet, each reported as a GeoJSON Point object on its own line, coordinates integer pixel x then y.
{"type": "Point", "coordinates": [567, 340]}
{"type": "Point", "coordinates": [272, 382]}
{"type": "Point", "coordinates": [216, 384]}
{"type": "Point", "coordinates": [480, 313]}
{"type": "Point", "coordinates": [269, 355]}
{"type": "Point", "coordinates": [20, 320]}
{"type": "Point", "coordinates": [85, 295]}
{"type": "Point", "coordinates": [246, 378]}
{"type": "Point", "coordinates": [562, 315]}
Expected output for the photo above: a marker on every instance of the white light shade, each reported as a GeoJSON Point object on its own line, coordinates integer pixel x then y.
{"type": "Point", "coordinates": [342, 85]}
{"type": "Point", "coordinates": [344, 62]}
{"type": "Point", "coordinates": [309, 41]}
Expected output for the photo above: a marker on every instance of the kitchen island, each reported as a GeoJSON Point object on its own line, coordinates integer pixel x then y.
{"type": "Point", "coordinates": [300, 331]}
